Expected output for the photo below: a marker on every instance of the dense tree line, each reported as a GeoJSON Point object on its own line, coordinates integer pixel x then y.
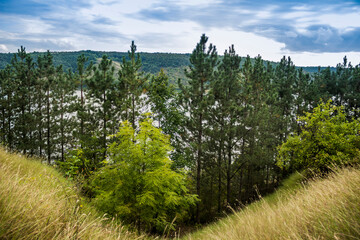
{"type": "Point", "coordinates": [224, 123]}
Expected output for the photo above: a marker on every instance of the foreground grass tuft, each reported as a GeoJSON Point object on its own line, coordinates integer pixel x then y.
{"type": "Point", "coordinates": [322, 209]}
{"type": "Point", "coordinates": [36, 202]}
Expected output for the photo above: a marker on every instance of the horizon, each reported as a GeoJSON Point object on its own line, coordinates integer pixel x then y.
{"type": "Point", "coordinates": [140, 52]}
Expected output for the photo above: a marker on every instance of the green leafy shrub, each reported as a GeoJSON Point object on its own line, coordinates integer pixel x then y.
{"type": "Point", "coordinates": [327, 138]}
{"type": "Point", "coordinates": [138, 184]}
{"type": "Point", "coordinates": [76, 164]}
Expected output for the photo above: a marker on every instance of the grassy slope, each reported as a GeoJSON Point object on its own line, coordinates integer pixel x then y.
{"type": "Point", "coordinates": [323, 209]}
{"type": "Point", "coordinates": [36, 202]}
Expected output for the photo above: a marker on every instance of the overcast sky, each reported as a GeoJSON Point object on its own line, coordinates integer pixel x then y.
{"type": "Point", "coordinates": [312, 33]}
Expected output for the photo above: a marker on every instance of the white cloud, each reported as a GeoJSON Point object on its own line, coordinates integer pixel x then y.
{"type": "Point", "coordinates": [3, 48]}
{"type": "Point", "coordinates": [339, 20]}
{"type": "Point", "coordinates": [196, 2]}
{"type": "Point", "coordinates": [323, 59]}
{"type": "Point", "coordinates": [34, 26]}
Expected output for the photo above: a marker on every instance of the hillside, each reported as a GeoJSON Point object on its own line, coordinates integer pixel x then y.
{"type": "Point", "coordinates": [36, 202]}
{"type": "Point", "coordinates": [322, 209]}
{"type": "Point", "coordinates": [173, 63]}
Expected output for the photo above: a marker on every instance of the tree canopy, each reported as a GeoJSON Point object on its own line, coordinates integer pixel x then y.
{"type": "Point", "coordinates": [327, 138]}
{"type": "Point", "coordinates": [138, 184]}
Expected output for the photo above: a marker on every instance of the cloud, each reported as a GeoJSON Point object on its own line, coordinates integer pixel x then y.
{"type": "Point", "coordinates": [103, 21]}
{"type": "Point", "coordinates": [314, 38]}
{"type": "Point", "coordinates": [3, 48]}
{"type": "Point", "coordinates": [298, 24]}
{"type": "Point", "coordinates": [270, 28]}
{"type": "Point", "coordinates": [36, 45]}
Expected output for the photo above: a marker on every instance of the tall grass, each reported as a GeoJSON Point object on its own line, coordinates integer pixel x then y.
{"type": "Point", "coordinates": [36, 202]}
{"type": "Point", "coordinates": [322, 209]}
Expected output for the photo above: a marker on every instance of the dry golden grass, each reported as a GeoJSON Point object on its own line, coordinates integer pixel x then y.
{"type": "Point", "coordinates": [323, 209]}
{"type": "Point", "coordinates": [36, 202]}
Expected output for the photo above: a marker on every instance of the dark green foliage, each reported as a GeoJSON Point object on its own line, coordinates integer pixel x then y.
{"type": "Point", "coordinates": [224, 118]}
{"type": "Point", "coordinates": [194, 101]}
{"type": "Point", "coordinates": [101, 91]}
{"type": "Point", "coordinates": [131, 85]}
{"type": "Point", "coordinates": [64, 108]}
{"type": "Point", "coordinates": [162, 100]}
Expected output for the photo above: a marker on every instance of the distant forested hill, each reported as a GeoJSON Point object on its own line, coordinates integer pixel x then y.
{"type": "Point", "coordinates": [173, 63]}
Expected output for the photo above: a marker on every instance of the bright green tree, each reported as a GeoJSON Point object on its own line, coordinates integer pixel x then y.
{"type": "Point", "coordinates": [327, 138]}
{"type": "Point", "coordinates": [138, 184]}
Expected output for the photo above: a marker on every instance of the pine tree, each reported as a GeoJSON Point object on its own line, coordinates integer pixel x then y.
{"type": "Point", "coordinates": [64, 106]}
{"type": "Point", "coordinates": [24, 71]}
{"type": "Point", "coordinates": [7, 104]}
{"type": "Point", "coordinates": [224, 119]}
{"type": "Point", "coordinates": [132, 81]}
{"type": "Point", "coordinates": [194, 102]}
{"type": "Point", "coordinates": [82, 74]}
{"type": "Point", "coordinates": [260, 120]}
{"type": "Point", "coordinates": [46, 80]}
{"type": "Point", "coordinates": [285, 78]}
{"type": "Point", "coordinates": [101, 90]}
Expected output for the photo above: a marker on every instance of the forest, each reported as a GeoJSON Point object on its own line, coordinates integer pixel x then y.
{"type": "Point", "coordinates": [173, 64]}
{"type": "Point", "coordinates": [159, 154]}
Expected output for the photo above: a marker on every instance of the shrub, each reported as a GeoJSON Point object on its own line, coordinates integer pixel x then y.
{"type": "Point", "coordinates": [327, 138]}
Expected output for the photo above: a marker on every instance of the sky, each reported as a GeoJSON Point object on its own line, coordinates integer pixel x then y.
{"type": "Point", "coordinates": [312, 33]}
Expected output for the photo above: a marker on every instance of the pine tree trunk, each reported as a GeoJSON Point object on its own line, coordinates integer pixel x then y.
{"type": "Point", "coordinates": [219, 178]}
{"type": "Point", "coordinates": [82, 110]}
{"type": "Point", "coordinates": [240, 186]}
{"type": "Point", "coordinates": [48, 127]}
{"type": "Point", "coordinates": [40, 125]}
{"type": "Point", "coordinates": [25, 142]}
{"type": "Point", "coordinates": [9, 124]}
{"type": "Point", "coordinates": [199, 152]}
{"type": "Point", "coordinates": [133, 111]}
{"type": "Point", "coordinates": [62, 127]}
{"type": "Point", "coordinates": [3, 133]}
{"type": "Point", "coordinates": [228, 173]}
{"type": "Point", "coordinates": [31, 129]}
{"type": "Point", "coordinates": [104, 122]}
{"type": "Point", "coordinates": [198, 169]}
